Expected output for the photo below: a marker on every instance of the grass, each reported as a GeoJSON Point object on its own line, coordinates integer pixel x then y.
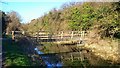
{"type": "Point", "coordinates": [47, 47]}
{"type": "Point", "coordinates": [14, 55]}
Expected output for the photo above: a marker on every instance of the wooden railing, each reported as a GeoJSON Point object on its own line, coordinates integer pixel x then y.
{"type": "Point", "coordinates": [71, 35]}
{"type": "Point", "coordinates": [69, 55]}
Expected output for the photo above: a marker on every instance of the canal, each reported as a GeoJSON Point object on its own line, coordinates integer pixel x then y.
{"type": "Point", "coordinates": [50, 60]}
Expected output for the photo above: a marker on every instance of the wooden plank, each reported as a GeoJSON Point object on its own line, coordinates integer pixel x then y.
{"type": "Point", "coordinates": [72, 34]}
{"type": "Point", "coordinates": [67, 42]}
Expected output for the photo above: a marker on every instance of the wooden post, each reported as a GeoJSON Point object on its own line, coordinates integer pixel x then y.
{"type": "Point", "coordinates": [61, 34]}
{"type": "Point", "coordinates": [81, 56]}
{"type": "Point", "coordinates": [37, 36]}
{"type": "Point", "coordinates": [13, 35]}
{"type": "Point", "coordinates": [61, 57]}
{"type": "Point", "coordinates": [40, 36]}
{"type": "Point", "coordinates": [83, 33]}
{"type": "Point", "coordinates": [72, 35]}
{"type": "Point", "coordinates": [23, 32]}
{"type": "Point", "coordinates": [72, 57]}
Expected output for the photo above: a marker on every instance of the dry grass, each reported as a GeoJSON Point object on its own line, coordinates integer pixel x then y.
{"type": "Point", "coordinates": [106, 48]}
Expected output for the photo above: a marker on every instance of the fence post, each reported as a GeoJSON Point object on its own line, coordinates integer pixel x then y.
{"type": "Point", "coordinates": [81, 56]}
{"type": "Point", "coordinates": [61, 34]}
{"type": "Point", "coordinates": [37, 36]}
{"type": "Point", "coordinates": [13, 35]}
{"type": "Point", "coordinates": [83, 34]}
{"type": "Point", "coordinates": [72, 34]}
{"type": "Point", "coordinates": [61, 57]}
{"type": "Point", "coordinates": [72, 57]}
{"type": "Point", "coordinates": [23, 32]}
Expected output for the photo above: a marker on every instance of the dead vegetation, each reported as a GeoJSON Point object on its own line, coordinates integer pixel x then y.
{"type": "Point", "coordinates": [106, 48]}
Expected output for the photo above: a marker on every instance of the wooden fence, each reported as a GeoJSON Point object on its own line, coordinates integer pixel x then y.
{"type": "Point", "coordinates": [68, 55]}
{"type": "Point", "coordinates": [73, 56]}
{"type": "Point", "coordinates": [70, 37]}
{"type": "Point", "coordinates": [49, 35]}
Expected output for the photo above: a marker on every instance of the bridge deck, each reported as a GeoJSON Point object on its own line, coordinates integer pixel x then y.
{"type": "Point", "coordinates": [73, 37]}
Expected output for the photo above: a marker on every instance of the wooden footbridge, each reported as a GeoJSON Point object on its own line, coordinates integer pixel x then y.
{"type": "Point", "coordinates": [61, 37]}
{"type": "Point", "coordinates": [70, 37]}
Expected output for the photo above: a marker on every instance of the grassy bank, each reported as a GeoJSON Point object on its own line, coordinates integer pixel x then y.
{"type": "Point", "coordinates": [14, 56]}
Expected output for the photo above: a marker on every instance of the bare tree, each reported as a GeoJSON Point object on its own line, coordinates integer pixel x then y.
{"type": "Point", "coordinates": [15, 21]}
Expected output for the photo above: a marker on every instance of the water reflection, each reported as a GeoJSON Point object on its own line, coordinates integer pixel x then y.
{"type": "Point", "coordinates": [48, 60]}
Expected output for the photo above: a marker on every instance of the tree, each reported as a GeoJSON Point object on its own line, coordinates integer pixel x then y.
{"type": "Point", "coordinates": [4, 20]}
{"type": "Point", "coordinates": [15, 22]}
{"type": "Point", "coordinates": [104, 17]}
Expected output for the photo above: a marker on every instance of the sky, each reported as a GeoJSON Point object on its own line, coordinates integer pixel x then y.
{"type": "Point", "coordinates": [32, 9]}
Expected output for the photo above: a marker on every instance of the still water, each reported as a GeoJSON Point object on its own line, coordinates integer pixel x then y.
{"type": "Point", "coordinates": [48, 60]}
